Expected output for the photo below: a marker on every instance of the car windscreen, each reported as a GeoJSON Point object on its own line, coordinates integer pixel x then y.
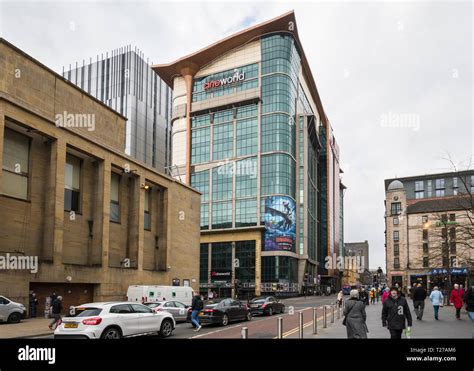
{"type": "Point", "coordinates": [210, 306]}
{"type": "Point", "coordinates": [84, 312]}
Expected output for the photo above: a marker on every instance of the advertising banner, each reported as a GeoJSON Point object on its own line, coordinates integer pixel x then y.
{"type": "Point", "coordinates": [280, 223]}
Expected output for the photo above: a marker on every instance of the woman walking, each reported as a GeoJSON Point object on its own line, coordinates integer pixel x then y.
{"type": "Point", "coordinates": [436, 298]}
{"type": "Point", "coordinates": [355, 317]}
{"type": "Point", "coordinates": [456, 298]}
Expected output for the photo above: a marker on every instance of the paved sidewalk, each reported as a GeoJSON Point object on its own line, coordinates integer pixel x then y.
{"type": "Point", "coordinates": [446, 327]}
{"type": "Point", "coordinates": [26, 328]}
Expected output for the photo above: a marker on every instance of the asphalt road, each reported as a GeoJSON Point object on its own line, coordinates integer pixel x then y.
{"type": "Point", "coordinates": [262, 327]}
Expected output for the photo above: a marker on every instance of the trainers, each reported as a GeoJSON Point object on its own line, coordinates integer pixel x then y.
{"type": "Point", "coordinates": [198, 329]}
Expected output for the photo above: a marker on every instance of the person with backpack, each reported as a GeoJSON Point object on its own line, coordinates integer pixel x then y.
{"type": "Point", "coordinates": [196, 306]}
{"type": "Point", "coordinates": [395, 313]}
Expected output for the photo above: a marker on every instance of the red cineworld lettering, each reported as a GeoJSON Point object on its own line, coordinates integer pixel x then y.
{"type": "Point", "coordinates": [236, 77]}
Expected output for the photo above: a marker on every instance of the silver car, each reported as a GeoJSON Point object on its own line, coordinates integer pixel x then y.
{"type": "Point", "coordinates": [10, 311]}
{"type": "Point", "coordinates": [178, 310]}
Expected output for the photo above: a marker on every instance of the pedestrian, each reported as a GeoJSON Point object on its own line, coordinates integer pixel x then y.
{"type": "Point", "coordinates": [210, 296]}
{"type": "Point", "coordinates": [395, 313]}
{"type": "Point", "coordinates": [33, 301]}
{"type": "Point", "coordinates": [363, 296]}
{"type": "Point", "coordinates": [355, 317]}
{"type": "Point", "coordinates": [385, 294]}
{"type": "Point", "coordinates": [372, 296]}
{"type": "Point", "coordinates": [53, 297]}
{"type": "Point", "coordinates": [419, 296]}
{"type": "Point", "coordinates": [56, 309]}
{"type": "Point", "coordinates": [461, 288]}
{"type": "Point", "coordinates": [469, 300]}
{"type": "Point", "coordinates": [456, 298]}
{"type": "Point", "coordinates": [340, 296]}
{"type": "Point", "coordinates": [377, 294]}
{"type": "Point", "coordinates": [196, 306]}
{"type": "Point", "coordinates": [436, 298]}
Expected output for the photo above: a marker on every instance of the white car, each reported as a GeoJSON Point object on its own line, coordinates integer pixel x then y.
{"type": "Point", "coordinates": [114, 320]}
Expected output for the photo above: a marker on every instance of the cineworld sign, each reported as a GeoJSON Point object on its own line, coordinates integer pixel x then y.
{"type": "Point", "coordinates": [236, 77]}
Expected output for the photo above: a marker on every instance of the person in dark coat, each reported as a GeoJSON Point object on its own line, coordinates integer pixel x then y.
{"type": "Point", "coordinates": [419, 296]}
{"type": "Point", "coordinates": [355, 317]}
{"type": "Point", "coordinates": [196, 306]}
{"type": "Point", "coordinates": [395, 312]}
{"type": "Point", "coordinates": [33, 301]}
{"type": "Point", "coordinates": [363, 296]}
{"type": "Point", "coordinates": [469, 301]}
{"type": "Point", "coordinates": [56, 309]}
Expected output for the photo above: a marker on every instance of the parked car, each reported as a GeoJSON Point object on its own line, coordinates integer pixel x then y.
{"type": "Point", "coordinates": [223, 312]}
{"type": "Point", "coordinates": [10, 311]}
{"type": "Point", "coordinates": [267, 305]}
{"type": "Point", "coordinates": [178, 310]}
{"type": "Point", "coordinates": [114, 320]}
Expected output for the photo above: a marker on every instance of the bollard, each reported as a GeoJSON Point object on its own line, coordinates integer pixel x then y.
{"type": "Point", "coordinates": [244, 333]}
{"type": "Point", "coordinates": [280, 327]}
{"type": "Point", "coordinates": [338, 312]}
{"type": "Point", "coordinates": [332, 314]}
{"type": "Point", "coordinates": [315, 321]}
{"type": "Point", "coordinates": [301, 325]}
{"type": "Point", "coordinates": [325, 323]}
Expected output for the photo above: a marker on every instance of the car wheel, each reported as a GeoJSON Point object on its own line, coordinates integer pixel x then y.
{"type": "Point", "coordinates": [225, 320]}
{"type": "Point", "coordinates": [248, 317]}
{"type": "Point", "coordinates": [111, 333]}
{"type": "Point", "coordinates": [166, 328]}
{"type": "Point", "coordinates": [14, 318]}
{"type": "Point", "coordinates": [270, 311]}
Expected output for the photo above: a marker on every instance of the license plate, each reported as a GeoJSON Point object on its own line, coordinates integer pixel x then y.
{"type": "Point", "coordinates": [70, 325]}
{"type": "Point", "coordinates": [201, 314]}
{"type": "Point", "coordinates": [254, 306]}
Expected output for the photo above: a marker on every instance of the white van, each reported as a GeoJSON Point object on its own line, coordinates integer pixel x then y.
{"type": "Point", "coordinates": [147, 294]}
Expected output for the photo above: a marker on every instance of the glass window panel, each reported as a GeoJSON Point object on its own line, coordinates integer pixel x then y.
{"type": "Point", "coordinates": [15, 185]}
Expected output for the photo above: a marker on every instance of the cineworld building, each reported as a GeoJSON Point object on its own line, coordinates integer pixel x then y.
{"type": "Point", "coordinates": [250, 133]}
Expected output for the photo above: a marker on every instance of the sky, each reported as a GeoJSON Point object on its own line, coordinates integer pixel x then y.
{"type": "Point", "coordinates": [395, 78]}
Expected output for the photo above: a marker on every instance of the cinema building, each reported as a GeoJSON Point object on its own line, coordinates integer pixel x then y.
{"type": "Point", "coordinates": [96, 219]}
{"type": "Point", "coordinates": [250, 133]}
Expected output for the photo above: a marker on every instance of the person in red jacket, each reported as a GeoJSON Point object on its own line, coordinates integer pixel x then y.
{"type": "Point", "coordinates": [385, 294]}
{"type": "Point", "coordinates": [456, 298]}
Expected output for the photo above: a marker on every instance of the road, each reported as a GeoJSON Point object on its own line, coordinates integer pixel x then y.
{"type": "Point", "coordinates": [262, 327]}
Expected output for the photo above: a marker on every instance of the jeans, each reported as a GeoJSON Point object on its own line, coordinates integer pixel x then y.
{"type": "Point", "coordinates": [395, 334]}
{"type": "Point", "coordinates": [419, 308]}
{"type": "Point", "coordinates": [436, 309]}
{"type": "Point", "coordinates": [195, 318]}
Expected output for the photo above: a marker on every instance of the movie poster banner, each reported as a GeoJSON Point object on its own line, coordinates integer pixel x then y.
{"type": "Point", "coordinates": [280, 223]}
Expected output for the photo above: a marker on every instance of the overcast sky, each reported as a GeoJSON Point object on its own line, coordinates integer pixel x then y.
{"type": "Point", "coordinates": [395, 77]}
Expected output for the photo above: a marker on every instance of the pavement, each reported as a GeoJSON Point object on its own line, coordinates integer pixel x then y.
{"type": "Point", "coordinates": [446, 327]}
{"type": "Point", "coordinates": [30, 327]}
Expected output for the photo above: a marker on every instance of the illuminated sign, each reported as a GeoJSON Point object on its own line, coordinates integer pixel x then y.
{"type": "Point", "coordinates": [236, 77]}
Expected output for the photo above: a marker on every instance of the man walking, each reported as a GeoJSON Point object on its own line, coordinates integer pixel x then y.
{"type": "Point", "coordinates": [196, 306]}
{"type": "Point", "coordinates": [395, 312]}
{"type": "Point", "coordinates": [436, 298]}
{"type": "Point", "coordinates": [56, 309]}
{"type": "Point", "coordinates": [419, 296]}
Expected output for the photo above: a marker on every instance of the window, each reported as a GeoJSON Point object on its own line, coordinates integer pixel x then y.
{"type": "Point", "coordinates": [396, 208]}
{"type": "Point", "coordinates": [205, 216]}
{"type": "Point", "coordinates": [425, 247]}
{"type": "Point", "coordinates": [452, 247]}
{"type": "Point", "coordinates": [440, 188]}
{"type": "Point", "coordinates": [16, 154]}
{"type": "Point", "coordinates": [204, 263]}
{"type": "Point", "coordinates": [472, 184]}
{"type": "Point", "coordinates": [396, 221]}
{"type": "Point", "coordinates": [452, 217]}
{"type": "Point", "coordinates": [246, 178]}
{"type": "Point", "coordinates": [72, 181]}
{"type": "Point", "coordinates": [278, 134]}
{"type": "Point", "coordinates": [222, 214]}
{"type": "Point", "coordinates": [278, 175]}
{"type": "Point", "coordinates": [247, 137]}
{"type": "Point", "coordinates": [245, 252]}
{"type": "Point", "coordinates": [140, 308]}
{"type": "Point", "coordinates": [452, 233]}
{"type": "Point", "coordinates": [200, 181]}
{"type": "Point", "coordinates": [425, 234]}
{"type": "Point", "coordinates": [430, 188]}
{"type": "Point", "coordinates": [396, 263]}
{"type": "Point", "coordinates": [223, 141]}
{"type": "Point", "coordinates": [121, 309]}
{"type": "Point", "coordinates": [455, 186]}
{"type": "Point", "coordinates": [426, 262]}
{"type": "Point", "coordinates": [396, 236]}
{"type": "Point", "coordinates": [147, 221]}
{"type": "Point", "coordinates": [419, 189]}
{"type": "Point", "coordinates": [201, 146]}
{"type": "Point", "coordinates": [115, 198]}
{"type": "Point", "coordinates": [454, 261]}
{"type": "Point", "coordinates": [246, 212]}
{"type": "Point", "coordinates": [444, 232]}
{"type": "Point", "coordinates": [222, 183]}
{"type": "Point", "coordinates": [396, 249]}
